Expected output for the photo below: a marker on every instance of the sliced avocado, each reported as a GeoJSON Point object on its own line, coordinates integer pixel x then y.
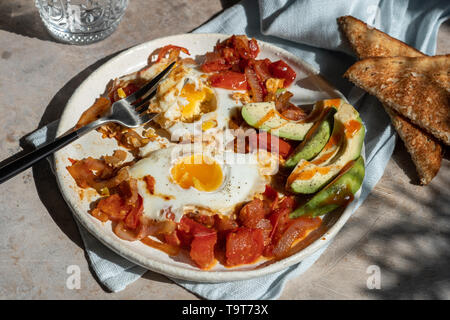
{"type": "Point", "coordinates": [264, 116]}
{"type": "Point", "coordinates": [337, 193]}
{"type": "Point", "coordinates": [344, 145]}
{"type": "Point", "coordinates": [315, 139]}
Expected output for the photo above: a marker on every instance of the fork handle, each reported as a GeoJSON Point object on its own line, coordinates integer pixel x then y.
{"type": "Point", "coordinates": [17, 166]}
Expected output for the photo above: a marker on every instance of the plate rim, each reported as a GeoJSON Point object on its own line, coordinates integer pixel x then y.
{"type": "Point", "coordinates": [199, 275]}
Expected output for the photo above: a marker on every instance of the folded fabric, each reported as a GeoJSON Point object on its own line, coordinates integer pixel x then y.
{"type": "Point", "coordinates": [307, 29]}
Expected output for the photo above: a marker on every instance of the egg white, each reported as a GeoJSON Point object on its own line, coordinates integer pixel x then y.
{"type": "Point", "coordinates": [244, 176]}
{"type": "Point", "coordinates": [171, 106]}
{"type": "Point", "coordinates": [226, 108]}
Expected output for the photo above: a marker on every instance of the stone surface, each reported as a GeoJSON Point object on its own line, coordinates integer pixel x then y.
{"type": "Point", "coordinates": [402, 228]}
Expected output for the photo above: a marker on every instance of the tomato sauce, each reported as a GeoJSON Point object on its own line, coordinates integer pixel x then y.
{"type": "Point", "coordinates": [341, 198]}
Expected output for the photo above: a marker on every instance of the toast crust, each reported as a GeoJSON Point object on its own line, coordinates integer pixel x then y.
{"type": "Point", "coordinates": [425, 151]}
{"type": "Point", "coordinates": [366, 41]}
{"type": "Point", "coordinates": [411, 86]}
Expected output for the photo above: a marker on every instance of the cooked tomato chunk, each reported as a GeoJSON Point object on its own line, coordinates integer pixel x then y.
{"type": "Point", "coordinates": [200, 239]}
{"type": "Point", "coordinates": [280, 69]}
{"type": "Point", "coordinates": [114, 206]}
{"type": "Point", "coordinates": [202, 250]}
{"type": "Point", "coordinates": [229, 80]}
{"type": "Point", "coordinates": [244, 245]}
{"type": "Point", "coordinates": [253, 212]}
{"type": "Point", "coordinates": [266, 141]}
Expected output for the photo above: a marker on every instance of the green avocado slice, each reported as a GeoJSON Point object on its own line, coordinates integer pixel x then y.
{"type": "Point", "coordinates": [264, 116]}
{"type": "Point", "coordinates": [336, 194]}
{"type": "Point", "coordinates": [343, 146]}
{"type": "Point", "coordinates": [315, 139]}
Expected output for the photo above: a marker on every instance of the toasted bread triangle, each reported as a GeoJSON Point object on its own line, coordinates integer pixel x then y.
{"type": "Point", "coordinates": [367, 41]}
{"type": "Point", "coordinates": [410, 86]}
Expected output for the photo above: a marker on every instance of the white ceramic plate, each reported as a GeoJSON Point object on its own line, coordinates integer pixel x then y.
{"type": "Point", "coordinates": [308, 88]}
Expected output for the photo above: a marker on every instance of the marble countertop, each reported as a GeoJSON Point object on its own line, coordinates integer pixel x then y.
{"type": "Point", "coordinates": [402, 228]}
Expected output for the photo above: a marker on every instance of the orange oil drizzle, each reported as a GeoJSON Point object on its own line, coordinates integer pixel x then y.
{"type": "Point", "coordinates": [332, 102]}
{"type": "Point", "coordinates": [351, 127]}
{"type": "Point", "coordinates": [308, 174]}
{"type": "Point", "coordinates": [167, 248]}
{"type": "Point", "coordinates": [334, 141]}
{"type": "Point", "coordinates": [269, 115]}
{"type": "Point", "coordinates": [293, 176]}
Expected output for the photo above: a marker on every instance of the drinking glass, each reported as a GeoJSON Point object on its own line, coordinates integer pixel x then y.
{"type": "Point", "coordinates": [81, 21]}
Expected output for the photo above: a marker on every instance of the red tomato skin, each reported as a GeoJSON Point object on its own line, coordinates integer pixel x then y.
{"type": "Point", "coordinates": [280, 69]}
{"type": "Point", "coordinates": [266, 141]}
{"type": "Point", "coordinates": [229, 80]}
{"type": "Point", "coordinates": [254, 48]}
{"type": "Point", "coordinates": [243, 246]}
{"type": "Point", "coordinates": [202, 250]}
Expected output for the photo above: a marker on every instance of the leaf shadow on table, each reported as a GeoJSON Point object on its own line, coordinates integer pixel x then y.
{"type": "Point", "coordinates": [409, 246]}
{"type": "Point", "coordinates": [22, 18]}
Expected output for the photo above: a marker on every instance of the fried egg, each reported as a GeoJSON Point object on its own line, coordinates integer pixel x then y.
{"type": "Point", "coordinates": [189, 180]}
{"type": "Point", "coordinates": [190, 109]}
{"type": "Point", "coordinates": [183, 96]}
{"type": "Point", "coordinates": [211, 123]}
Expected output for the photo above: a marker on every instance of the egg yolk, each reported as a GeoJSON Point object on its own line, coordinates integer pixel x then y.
{"type": "Point", "coordinates": [198, 171]}
{"type": "Point", "coordinates": [209, 124]}
{"type": "Point", "coordinates": [195, 99]}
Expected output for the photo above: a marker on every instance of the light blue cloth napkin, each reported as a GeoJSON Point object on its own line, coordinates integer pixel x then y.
{"type": "Point", "coordinates": [309, 30]}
